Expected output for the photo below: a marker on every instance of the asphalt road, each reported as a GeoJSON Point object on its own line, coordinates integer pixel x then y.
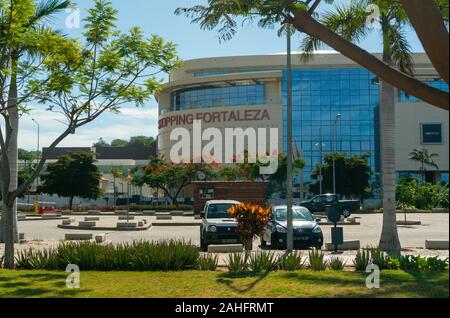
{"type": "Point", "coordinates": [434, 226]}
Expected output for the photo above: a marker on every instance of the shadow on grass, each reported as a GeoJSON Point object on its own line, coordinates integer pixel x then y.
{"type": "Point", "coordinates": [38, 285]}
{"type": "Point", "coordinates": [393, 283]}
{"type": "Point", "coordinates": [227, 279]}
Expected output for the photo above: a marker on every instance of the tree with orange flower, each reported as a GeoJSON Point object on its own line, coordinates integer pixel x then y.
{"type": "Point", "coordinates": [171, 177]}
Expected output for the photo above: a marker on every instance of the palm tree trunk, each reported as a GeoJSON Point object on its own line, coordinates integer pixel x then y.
{"type": "Point", "coordinates": [389, 241]}
{"type": "Point", "coordinates": [8, 234]}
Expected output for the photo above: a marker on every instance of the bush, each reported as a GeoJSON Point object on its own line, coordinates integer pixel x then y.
{"type": "Point", "coordinates": [137, 256]}
{"type": "Point", "coordinates": [208, 262]}
{"type": "Point", "coordinates": [262, 262]}
{"type": "Point", "coordinates": [379, 258]}
{"type": "Point", "coordinates": [437, 264]}
{"type": "Point", "coordinates": [393, 263]}
{"type": "Point", "coordinates": [337, 264]}
{"type": "Point", "coordinates": [291, 262]}
{"type": "Point", "coordinates": [410, 193]}
{"type": "Point", "coordinates": [362, 260]}
{"type": "Point", "coordinates": [317, 261]}
{"type": "Point", "coordinates": [236, 263]}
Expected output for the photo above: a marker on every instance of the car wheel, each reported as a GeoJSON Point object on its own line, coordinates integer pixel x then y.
{"type": "Point", "coordinates": [346, 213]}
{"type": "Point", "coordinates": [263, 242]}
{"type": "Point", "coordinates": [203, 245]}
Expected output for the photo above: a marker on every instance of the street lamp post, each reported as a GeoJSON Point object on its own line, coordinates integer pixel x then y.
{"type": "Point", "coordinates": [38, 149]}
{"type": "Point", "coordinates": [333, 135]}
{"type": "Point", "coordinates": [289, 192]}
{"type": "Point", "coordinates": [320, 145]}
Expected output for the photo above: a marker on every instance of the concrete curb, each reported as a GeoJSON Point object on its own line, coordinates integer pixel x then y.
{"type": "Point", "coordinates": [104, 228]}
{"type": "Point", "coordinates": [436, 245]}
{"type": "Point", "coordinates": [176, 224]}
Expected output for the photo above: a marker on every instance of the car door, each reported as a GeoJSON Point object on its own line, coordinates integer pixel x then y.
{"type": "Point", "coordinates": [269, 230]}
{"type": "Point", "coordinates": [318, 204]}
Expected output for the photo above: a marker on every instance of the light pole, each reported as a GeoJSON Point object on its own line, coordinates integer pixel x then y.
{"type": "Point", "coordinates": [320, 145]}
{"type": "Point", "coordinates": [290, 220]}
{"type": "Point", "coordinates": [37, 154]}
{"type": "Point", "coordinates": [333, 135]}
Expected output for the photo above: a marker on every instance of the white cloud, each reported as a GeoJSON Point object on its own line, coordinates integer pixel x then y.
{"type": "Point", "coordinates": [130, 122]}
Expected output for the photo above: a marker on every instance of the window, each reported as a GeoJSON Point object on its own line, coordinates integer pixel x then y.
{"type": "Point", "coordinates": [206, 97]}
{"type": "Point", "coordinates": [206, 194]}
{"type": "Point", "coordinates": [431, 134]}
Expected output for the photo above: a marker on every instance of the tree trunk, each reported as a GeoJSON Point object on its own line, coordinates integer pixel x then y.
{"type": "Point", "coordinates": [70, 203]}
{"type": "Point", "coordinates": [389, 241]}
{"type": "Point", "coordinates": [8, 235]}
{"type": "Point", "coordinates": [430, 27]}
{"type": "Point", "coordinates": [12, 135]}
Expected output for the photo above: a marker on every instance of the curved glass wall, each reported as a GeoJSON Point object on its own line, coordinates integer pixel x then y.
{"type": "Point", "coordinates": [211, 96]}
{"type": "Point", "coordinates": [318, 96]}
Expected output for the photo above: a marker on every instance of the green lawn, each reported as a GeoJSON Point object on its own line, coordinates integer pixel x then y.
{"type": "Point", "coordinates": [216, 284]}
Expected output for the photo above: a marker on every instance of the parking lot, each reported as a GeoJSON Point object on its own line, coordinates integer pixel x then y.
{"type": "Point", "coordinates": [434, 227]}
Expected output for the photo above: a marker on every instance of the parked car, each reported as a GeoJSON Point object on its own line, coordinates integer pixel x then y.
{"type": "Point", "coordinates": [217, 226]}
{"type": "Point", "coordinates": [307, 232]}
{"type": "Point", "coordinates": [320, 202]}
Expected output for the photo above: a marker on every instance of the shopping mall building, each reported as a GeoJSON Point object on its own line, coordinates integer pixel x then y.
{"type": "Point", "coordinates": [250, 91]}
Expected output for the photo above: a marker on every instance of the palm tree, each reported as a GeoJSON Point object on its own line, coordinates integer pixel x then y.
{"type": "Point", "coordinates": [425, 158]}
{"type": "Point", "coordinates": [43, 12]}
{"type": "Point", "coordinates": [350, 22]}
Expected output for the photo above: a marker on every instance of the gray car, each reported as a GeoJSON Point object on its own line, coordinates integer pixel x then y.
{"type": "Point", "coordinates": [307, 232]}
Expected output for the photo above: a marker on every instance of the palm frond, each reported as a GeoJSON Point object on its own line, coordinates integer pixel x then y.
{"type": "Point", "coordinates": [46, 9]}
{"type": "Point", "coordinates": [399, 47]}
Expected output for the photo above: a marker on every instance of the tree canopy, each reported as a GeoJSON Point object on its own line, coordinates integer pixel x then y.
{"type": "Point", "coordinates": [73, 175]}
{"type": "Point", "coordinates": [353, 175]}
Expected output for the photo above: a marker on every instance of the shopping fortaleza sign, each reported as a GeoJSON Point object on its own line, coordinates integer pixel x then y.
{"type": "Point", "coordinates": [215, 117]}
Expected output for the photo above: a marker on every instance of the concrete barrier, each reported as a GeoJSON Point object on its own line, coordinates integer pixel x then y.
{"type": "Point", "coordinates": [163, 216]}
{"type": "Point", "coordinates": [409, 223]}
{"type": "Point", "coordinates": [87, 224]}
{"type": "Point", "coordinates": [78, 236]}
{"type": "Point", "coordinates": [127, 225]}
{"type": "Point", "coordinates": [68, 221]}
{"type": "Point", "coordinates": [436, 245]}
{"type": "Point", "coordinates": [229, 248]}
{"type": "Point", "coordinates": [177, 213]}
{"type": "Point", "coordinates": [100, 238]}
{"type": "Point", "coordinates": [347, 246]}
{"type": "Point", "coordinates": [149, 212]}
{"type": "Point", "coordinates": [124, 217]}
{"type": "Point", "coordinates": [188, 214]}
{"type": "Point", "coordinates": [91, 218]}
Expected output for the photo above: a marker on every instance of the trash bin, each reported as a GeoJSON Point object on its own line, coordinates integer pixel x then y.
{"type": "Point", "coordinates": [333, 213]}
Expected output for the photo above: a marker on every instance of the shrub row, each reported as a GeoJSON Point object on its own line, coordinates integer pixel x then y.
{"type": "Point", "coordinates": [267, 261]}
{"type": "Point", "coordinates": [407, 263]}
{"type": "Point", "coordinates": [134, 208]}
{"type": "Point", "coordinates": [137, 256]}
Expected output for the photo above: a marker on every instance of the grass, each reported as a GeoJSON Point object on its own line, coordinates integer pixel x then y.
{"type": "Point", "coordinates": [198, 284]}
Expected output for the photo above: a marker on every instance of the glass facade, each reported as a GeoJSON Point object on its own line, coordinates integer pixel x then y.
{"type": "Point", "coordinates": [436, 83]}
{"type": "Point", "coordinates": [206, 97]}
{"type": "Point", "coordinates": [318, 96]}
{"type": "Point", "coordinates": [223, 72]}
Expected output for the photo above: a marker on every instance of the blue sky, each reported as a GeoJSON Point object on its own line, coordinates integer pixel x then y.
{"type": "Point", "coordinates": [157, 17]}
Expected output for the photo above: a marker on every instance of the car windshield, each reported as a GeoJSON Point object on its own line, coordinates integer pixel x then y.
{"type": "Point", "coordinates": [219, 211]}
{"type": "Point", "coordinates": [299, 215]}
